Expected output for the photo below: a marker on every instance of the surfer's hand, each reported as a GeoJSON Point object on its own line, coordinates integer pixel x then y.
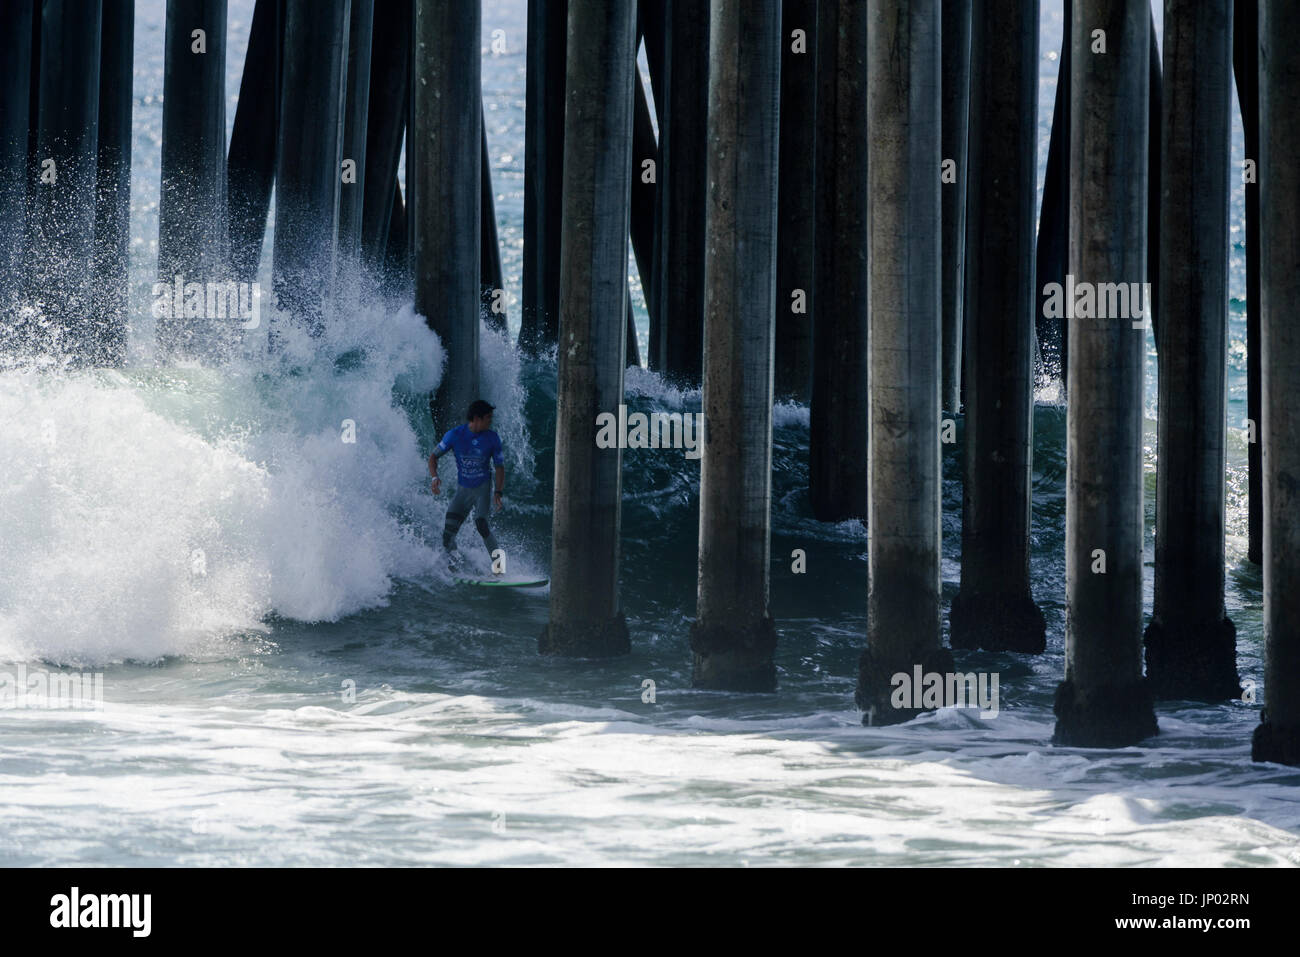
{"type": "Point", "coordinates": [497, 496]}
{"type": "Point", "coordinates": [437, 485]}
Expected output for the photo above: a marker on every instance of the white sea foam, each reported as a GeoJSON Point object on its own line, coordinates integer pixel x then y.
{"type": "Point", "coordinates": [464, 779]}
{"type": "Point", "coordinates": [143, 510]}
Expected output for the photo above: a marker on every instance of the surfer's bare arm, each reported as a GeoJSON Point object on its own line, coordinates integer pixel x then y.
{"type": "Point", "coordinates": [501, 481]}
{"type": "Point", "coordinates": [433, 470]}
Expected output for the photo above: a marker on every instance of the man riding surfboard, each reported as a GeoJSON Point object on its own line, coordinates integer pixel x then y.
{"type": "Point", "coordinates": [473, 444]}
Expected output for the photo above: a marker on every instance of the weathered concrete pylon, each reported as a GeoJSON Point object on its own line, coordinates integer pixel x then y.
{"type": "Point", "coordinates": [837, 448]}
{"type": "Point", "coordinates": [444, 159]}
{"type": "Point", "coordinates": [1245, 67]}
{"type": "Point", "coordinates": [309, 156]}
{"type": "Point", "coordinates": [107, 340]}
{"type": "Point", "coordinates": [683, 140]}
{"type": "Point", "coordinates": [543, 172]}
{"type": "Point", "coordinates": [1052, 253]}
{"type": "Point", "coordinates": [386, 116]}
{"type": "Point", "coordinates": [995, 608]}
{"type": "Point", "coordinates": [15, 122]}
{"type": "Point", "coordinates": [1190, 643]}
{"type": "Point", "coordinates": [356, 112]}
{"type": "Point", "coordinates": [585, 618]}
{"type": "Point", "coordinates": [903, 98]}
{"type": "Point", "coordinates": [734, 638]}
{"type": "Point", "coordinates": [955, 37]}
{"type": "Point", "coordinates": [62, 194]}
{"type": "Point", "coordinates": [250, 164]}
{"type": "Point", "coordinates": [192, 226]}
{"type": "Point", "coordinates": [796, 201]}
{"type": "Point", "coordinates": [1104, 700]}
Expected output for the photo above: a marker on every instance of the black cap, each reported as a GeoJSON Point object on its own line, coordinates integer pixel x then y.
{"type": "Point", "coordinates": [478, 408]}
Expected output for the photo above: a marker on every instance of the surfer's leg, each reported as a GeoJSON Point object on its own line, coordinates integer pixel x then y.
{"type": "Point", "coordinates": [482, 503]}
{"type": "Point", "coordinates": [457, 512]}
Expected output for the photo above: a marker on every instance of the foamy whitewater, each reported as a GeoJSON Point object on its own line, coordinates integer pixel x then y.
{"type": "Point", "coordinates": [291, 678]}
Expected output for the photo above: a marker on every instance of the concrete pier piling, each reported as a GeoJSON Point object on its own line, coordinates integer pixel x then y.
{"type": "Point", "coordinates": [192, 225]}
{"type": "Point", "coordinates": [390, 82]}
{"type": "Point", "coordinates": [796, 249]}
{"type": "Point", "coordinates": [955, 36]}
{"type": "Point", "coordinates": [543, 172]}
{"type": "Point", "coordinates": [1190, 643]}
{"type": "Point", "coordinates": [250, 164]}
{"type": "Point", "coordinates": [33, 120]}
{"type": "Point", "coordinates": [1245, 66]}
{"type": "Point", "coordinates": [1104, 700]}
{"type": "Point", "coordinates": [444, 166]}
{"type": "Point", "coordinates": [995, 607]}
{"type": "Point", "coordinates": [651, 26]}
{"type": "Point", "coordinates": [1154, 181]}
{"type": "Point", "coordinates": [308, 176]}
{"type": "Point", "coordinates": [903, 113]}
{"type": "Point", "coordinates": [1278, 736]}
{"type": "Point", "coordinates": [644, 194]}
{"type": "Point", "coordinates": [15, 121]}
{"type": "Point", "coordinates": [585, 618]}
{"type": "Point", "coordinates": [113, 184]}
{"type": "Point", "coordinates": [734, 638]}
{"type": "Point", "coordinates": [1052, 253]}
{"type": "Point", "coordinates": [64, 191]}
{"type": "Point", "coordinates": [837, 450]}
{"type": "Point", "coordinates": [683, 140]}
{"type": "Point", "coordinates": [356, 111]}
{"type": "Point", "coordinates": [490, 279]}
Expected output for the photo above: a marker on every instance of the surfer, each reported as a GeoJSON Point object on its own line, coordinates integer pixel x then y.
{"type": "Point", "coordinates": [473, 444]}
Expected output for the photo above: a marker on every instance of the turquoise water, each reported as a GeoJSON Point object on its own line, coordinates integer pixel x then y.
{"type": "Point", "coordinates": [290, 677]}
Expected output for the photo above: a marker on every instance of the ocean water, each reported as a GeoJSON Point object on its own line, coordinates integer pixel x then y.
{"type": "Point", "coordinates": [290, 677]}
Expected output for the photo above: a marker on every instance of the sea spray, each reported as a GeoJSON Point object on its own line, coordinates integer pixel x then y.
{"type": "Point", "coordinates": [501, 383]}
{"type": "Point", "coordinates": [148, 510]}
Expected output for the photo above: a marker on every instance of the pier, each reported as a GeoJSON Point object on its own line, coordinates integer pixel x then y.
{"type": "Point", "coordinates": [585, 616]}
{"type": "Point", "coordinates": [827, 201]}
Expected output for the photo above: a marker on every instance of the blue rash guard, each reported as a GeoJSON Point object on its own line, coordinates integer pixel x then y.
{"type": "Point", "coordinates": [473, 449]}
